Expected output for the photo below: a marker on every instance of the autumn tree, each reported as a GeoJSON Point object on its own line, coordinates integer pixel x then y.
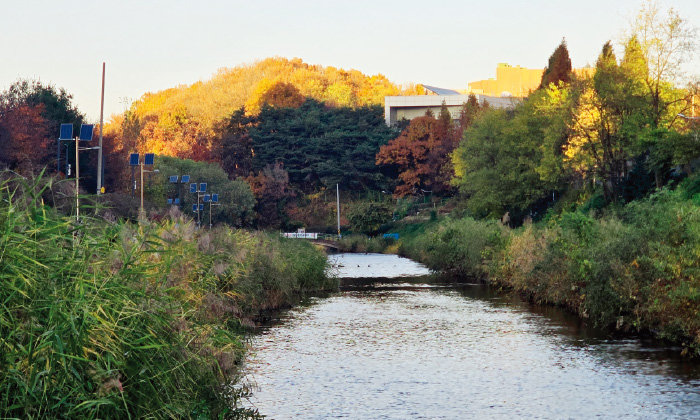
{"type": "Point", "coordinates": [282, 95]}
{"type": "Point", "coordinates": [558, 68]}
{"type": "Point", "coordinates": [421, 155]}
{"type": "Point", "coordinates": [56, 104]}
{"type": "Point", "coordinates": [272, 194]}
{"type": "Point", "coordinates": [30, 115]}
{"type": "Point", "coordinates": [24, 138]}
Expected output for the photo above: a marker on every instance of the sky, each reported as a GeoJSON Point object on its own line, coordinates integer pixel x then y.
{"type": "Point", "coordinates": [151, 45]}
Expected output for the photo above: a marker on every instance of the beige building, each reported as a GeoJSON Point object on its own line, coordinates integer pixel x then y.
{"type": "Point", "coordinates": [512, 83]}
{"type": "Point", "coordinates": [516, 81]}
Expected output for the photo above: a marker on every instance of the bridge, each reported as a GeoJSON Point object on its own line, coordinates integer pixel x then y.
{"type": "Point", "coordinates": [327, 243]}
{"type": "Point", "coordinates": [322, 239]}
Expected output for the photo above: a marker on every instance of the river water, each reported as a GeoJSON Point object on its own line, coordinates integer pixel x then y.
{"type": "Point", "coordinates": [415, 347]}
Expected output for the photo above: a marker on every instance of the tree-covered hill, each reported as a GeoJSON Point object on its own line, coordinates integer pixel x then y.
{"type": "Point", "coordinates": [231, 88]}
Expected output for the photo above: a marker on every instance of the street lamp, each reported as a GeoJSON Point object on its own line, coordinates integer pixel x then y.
{"type": "Point", "coordinates": [66, 134]}
{"type": "Point", "coordinates": [134, 160]}
{"type": "Point", "coordinates": [178, 181]}
{"type": "Point", "coordinates": [198, 189]}
{"type": "Point", "coordinates": [213, 200]}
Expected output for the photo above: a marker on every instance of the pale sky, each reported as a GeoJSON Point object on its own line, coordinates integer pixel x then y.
{"type": "Point", "coordinates": [154, 45]}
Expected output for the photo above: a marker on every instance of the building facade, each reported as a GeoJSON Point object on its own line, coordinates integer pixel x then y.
{"type": "Point", "coordinates": [397, 108]}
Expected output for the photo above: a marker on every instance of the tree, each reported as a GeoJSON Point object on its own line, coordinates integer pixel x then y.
{"type": "Point", "coordinates": [558, 68]}
{"type": "Point", "coordinates": [30, 116]}
{"type": "Point", "coordinates": [234, 144]}
{"type": "Point", "coordinates": [321, 146]}
{"type": "Point", "coordinates": [56, 104]}
{"type": "Point", "coordinates": [24, 138]}
{"type": "Point", "coordinates": [421, 153]}
{"type": "Point", "coordinates": [368, 217]}
{"type": "Point", "coordinates": [235, 196]}
{"type": "Point", "coordinates": [413, 153]}
{"type": "Point", "coordinates": [667, 41]}
{"type": "Point", "coordinates": [496, 162]}
{"type": "Point", "coordinates": [272, 193]}
{"type": "Point", "coordinates": [282, 95]}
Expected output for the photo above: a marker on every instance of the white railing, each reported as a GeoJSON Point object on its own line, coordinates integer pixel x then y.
{"type": "Point", "coordinates": [300, 235]}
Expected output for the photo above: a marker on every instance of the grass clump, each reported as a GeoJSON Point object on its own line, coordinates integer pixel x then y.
{"type": "Point", "coordinates": [113, 320]}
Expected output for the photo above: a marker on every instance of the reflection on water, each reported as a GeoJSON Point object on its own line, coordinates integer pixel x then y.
{"type": "Point", "coordinates": [406, 349]}
{"type": "Point", "coordinates": [375, 265]}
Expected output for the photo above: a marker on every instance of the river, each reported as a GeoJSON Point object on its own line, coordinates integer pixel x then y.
{"type": "Point", "coordinates": [414, 347]}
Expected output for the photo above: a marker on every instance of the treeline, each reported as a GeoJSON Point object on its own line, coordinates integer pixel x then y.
{"type": "Point", "coordinates": [587, 194]}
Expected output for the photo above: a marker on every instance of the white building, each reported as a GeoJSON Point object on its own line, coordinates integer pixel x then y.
{"type": "Point", "coordinates": [397, 108]}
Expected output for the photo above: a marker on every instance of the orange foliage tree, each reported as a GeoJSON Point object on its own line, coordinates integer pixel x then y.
{"type": "Point", "coordinates": [272, 195]}
{"type": "Point", "coordinates": [282, 95]}
{"type": "Point", "coordinates": [24, 138]}
{"type": "Point", "coordinates": [422, 153]}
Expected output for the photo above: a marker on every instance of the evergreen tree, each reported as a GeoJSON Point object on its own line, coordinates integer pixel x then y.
{"type": "Point", "coordinates": [558, 68]}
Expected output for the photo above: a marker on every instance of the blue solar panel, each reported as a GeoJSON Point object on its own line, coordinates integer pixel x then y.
{"type": "Point", "coordinates": [194, 208]}
{"type": "Point", "coordinates": [66, 132]}
{"type": "Point", "coordinates": [203, 187]}
{"type": "Point", "coordinates": [148, 159]}
{"type": "Point", "coordinates": [215, 198]}
{"type": "Point", "coordinates": [185, 179]}
{"type": "Point", "coordinates": [207, 197]}
{"type": "Point", "coordinates": [170, 201]}
{"type": "Point", "coordinates": [193, 188]}
{"type": "Point", "coordinates": [177, 201]}
{"type": "Point", "coordinates": [134, 159]}
{"type": "Point", "coordinates": [86, 132]}
{"type": "Point", "coordinates": [173, 179]}
{"type": "Point", "coordinates": [201, 207]}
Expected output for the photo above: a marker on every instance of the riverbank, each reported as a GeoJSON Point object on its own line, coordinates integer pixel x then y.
{"type": "Point", "coordinates": [634, 268]}
{"type": "Point", "coordinates": [119, 320]}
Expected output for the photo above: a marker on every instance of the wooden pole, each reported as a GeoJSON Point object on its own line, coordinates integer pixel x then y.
{"type": "Point", "coordinates": [141, 211]}
{"type": "Point", "coordinates": [337, 197]}
{"type": "Point", "coordinates": [99, 151]}
{"type": "Point", "coordinates": [77, 180]}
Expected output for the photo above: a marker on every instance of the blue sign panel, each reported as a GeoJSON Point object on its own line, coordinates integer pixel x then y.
{"type": "Point", "coordinates": [173, 179]}
{"type": "Point", "coordinates": [66, 132]}
{"type": "Point", "coordinates": [201, 207]}
{"type": "Point", "coordinates": [193, 188]}
{"type": "Point", "coordinates": [194, 208]}
{"type": "Point", "coordinates": [203, 187]}
{"type": "Point", "coordinates": [215, 198]}
{"type": "Point", "coordinates": [86, 132]}
{"type": "Point", "coordinates": [170, 201]}
{"type": "Point", "coordinates": [185, 179]}
{"type": "Point", "coordinates": [177, 201]}
{"type": "Point", "coordinates": [134, 159]}
{"type": "Point", "coordinates": [148, 159]}
{"type": "Point", "coordinates": [206, 198]}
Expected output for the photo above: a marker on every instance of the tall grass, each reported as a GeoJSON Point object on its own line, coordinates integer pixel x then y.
{"type": "Point", "coordinates": [101, 320]}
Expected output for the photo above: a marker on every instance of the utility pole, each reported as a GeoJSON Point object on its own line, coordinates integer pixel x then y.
{"type": "Point", "coordinates": [77, 180]}
{"type": "Point", "coordinates": [337, 197]}
{"type": "Point", "coordinates": [99, 151]}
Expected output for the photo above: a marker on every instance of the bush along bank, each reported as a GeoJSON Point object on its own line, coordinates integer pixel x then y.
{"type": "Point", "coordinates": [115, 320]}
{"type": "Point", "coordinates": [636, 269]}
